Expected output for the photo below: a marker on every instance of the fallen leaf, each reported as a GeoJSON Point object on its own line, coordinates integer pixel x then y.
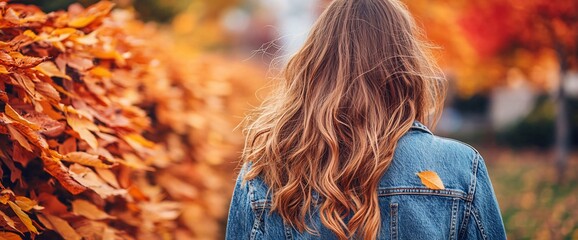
{"type": "Point", "coordinates": [26, 204]}
{"type": "Point", "coordinates": [50, 69]}
{"type": "Point", "coordinates": [9, 236]}
{"type": "Point", "coordinates": [10, 112]}
{"type": "Point", "coordinates": [22, 61]}
{"type": "Point", "coordinates": [21, 155]}
{"type": "Point", "coordinates": [62, 227]}
{"type": "Point", "coordinates": [47, 90]}
{"type": "Point", "coordinates": [68, 146]}
{"type": "Point", "coordinates": [23, 217]}
{"type": "Point", "coordinates": [19, 138]}
{"type": "Point", "coordinates": [33, 136]}
{"type": "Point", "coordinates": [85, 159]}
{"type": "Point", "coordinates": [431, 180]}
{"type": "Point", "coordinates": [8, 220]}
{"type": "Point", "coordinates": [86, 209]}
{"type": "Point", "coordinates": [90, 179]}
{"type": "Point", "coordinates": [108, 176]}
{"type": "Point", "coordinates": [55, 168]}
{"type": "Point", "coordinates": [81, 126]}
{"type": "Point", "coordinates": [3, 70]}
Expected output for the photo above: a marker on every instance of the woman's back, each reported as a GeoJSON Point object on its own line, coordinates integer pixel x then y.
{"type": "Point", "coordinates": [330, 153]}
{"type": "Point", "coordinates": [465, 209]}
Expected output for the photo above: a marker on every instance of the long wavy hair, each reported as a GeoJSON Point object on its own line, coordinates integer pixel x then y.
{"type": "Point", "coordinates": [363, 76]}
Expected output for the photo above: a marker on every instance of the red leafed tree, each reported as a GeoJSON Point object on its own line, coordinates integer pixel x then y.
{"type": "Point", "coordinates": [500, 28]}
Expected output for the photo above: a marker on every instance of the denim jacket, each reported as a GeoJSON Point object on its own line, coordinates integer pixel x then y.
{"type": "Point", "coordinates": [465, 209]}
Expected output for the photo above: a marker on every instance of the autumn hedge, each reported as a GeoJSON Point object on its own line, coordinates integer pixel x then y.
{"type": "Point", "coordinates": [105, 131]}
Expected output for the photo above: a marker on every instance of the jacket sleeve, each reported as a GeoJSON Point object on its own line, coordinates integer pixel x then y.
{"type": "Point", "coordinates": [485, 220]}
{"type": "Point", "coordinates": [241, 216]}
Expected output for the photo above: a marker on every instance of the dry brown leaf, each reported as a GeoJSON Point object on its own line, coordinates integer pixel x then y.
{"type": "Point", "coordinates": [90, 179]}
{"type": "Point", "coordinates": [82, 126]}
{"type": "Point", "coordinates": [86, 209]}
{"type": "Point", "coordinates": [26, 204]}
{"type": "Point", "coordinates": [69, 145]}
{"type": "Point", "coordinates": [62, 227]}
{"type": "Point", "coordinates": [8, 221]}
{"type": "Point", "coordinates": [3, 70]}
{"type": "Point", "coordinates": [21, 155]}
{"type": "Point", "coordinates": [9, 236]}
{"type": "Point", "coordinates": [162, 211]}
{"type": "Point", "coordinates": [49, 126]}
{"type": "Point", "coordinates": [19, 137]}
{"type": "Point", "coordinates": [55, 168]}
{"type": "Point", "coordinates": [51, 70]}
{"type": "Point", "coordinates": [108, 176]}
{"type": "Point", "coordinates": [23, 217]}
{"type": "Point", "coordinates": [431, 180]}
{"type": "Point", "coordinates": [33, 136]}
{"type": "Point", "coordinates": [10, 112]}
{"type": "Point", "coordinates": [22, 61]}
{"type": "Point", "coordinates": [47, 90]}
{"type": "Point", "coordinates": [85, 159]}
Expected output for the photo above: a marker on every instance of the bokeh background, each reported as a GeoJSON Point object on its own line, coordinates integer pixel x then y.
{"type": "Point", "coordinates": [511, 67]}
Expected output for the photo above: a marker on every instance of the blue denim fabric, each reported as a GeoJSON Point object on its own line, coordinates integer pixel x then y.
{"type": "Point", "coordinates": [465, 209]}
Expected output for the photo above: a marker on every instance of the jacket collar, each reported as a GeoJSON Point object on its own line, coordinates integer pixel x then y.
{"type": "Point", "coordinates": [419, 126]}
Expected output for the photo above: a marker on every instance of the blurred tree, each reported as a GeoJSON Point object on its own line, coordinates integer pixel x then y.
{"type": "Point", "coordinates": [502, 29]}
{"type": "Point", "coordinates": [149, 10]}
{"type": "Point", "coordinates": [53, 5]}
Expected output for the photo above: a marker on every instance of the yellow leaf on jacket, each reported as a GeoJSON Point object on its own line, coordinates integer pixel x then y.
{"type": "Point", "coordinates": [431, 179]}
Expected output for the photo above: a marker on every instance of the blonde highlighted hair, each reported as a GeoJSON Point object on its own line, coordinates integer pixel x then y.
{"type": "Point", "coordinates": [344, 100]}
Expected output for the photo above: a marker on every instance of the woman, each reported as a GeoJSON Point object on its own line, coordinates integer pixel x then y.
{"type": "Point", "coordinates": [335, 152]}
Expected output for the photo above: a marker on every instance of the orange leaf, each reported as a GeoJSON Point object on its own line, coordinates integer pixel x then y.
{"type": "Point", "coordinates": [9, 236]}
{"type": "Point", "coordinates": [90, 14]}
{"type": "Point", "coordinates": [3, 70]}
{"type": "Point", "coordinates": [89, 210]}
{"type": "Point", "coordinates": [81, 126]}
{"type": "Point", "coordinates": [90, 179]}
{"type": "Point", "coordinates": [8, 221]}
{"type": "Point", "coordinates": [431, 180]}
{"type": "Point", "coordinates": [19, 154]}
{"type": "Point", "coordinates": [85, 159]}
{"type": "Point", "coordinates": [33, 136]}
{"type": "Point", "coordinates": [23, 217]}
{"type": "Point", "coordinates": [19, 138]}
{"type": "Point", "coordinates": [82, 21]}
{"type": "Point", "coordinates": [4, 198]}
{"type": "Point", "coordinates": [6, 59]}
{"type": "Point", "coordinates": [26, 204]}
{"type": "Point", "coordinates": [101, 72]}
{"type": "Point", "coordinates": [22, 61]}
{"type": "Point", "coordinates": [69, 145]}
{"type": "Point", "coordinates": [60, 172]}
{"type": "Point", "coordinates": [61, 226]}
{"type": "Point", "coordinates": [17, 117]}
{"type": "Point", "coordinates": [49, 69]}
{"type": "Point", "coordinates": [108, 176]}
{"type": "Point", "coordinates": [47, 90]}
